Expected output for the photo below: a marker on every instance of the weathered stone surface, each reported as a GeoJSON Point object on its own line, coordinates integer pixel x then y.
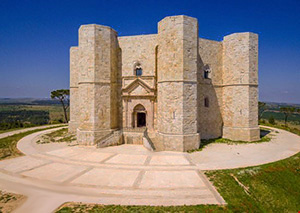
{"type": "Point", "coordinates": [177, 83]}
{"type": "Point", "coordinates": [240, 83]}
{"type": "Point", "coordinates": [178, 101]}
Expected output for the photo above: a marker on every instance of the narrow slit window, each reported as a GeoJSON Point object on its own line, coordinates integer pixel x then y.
{"type": "Point", "coordinates": [206, 102]}
{"type": "Point", "coordinates": [207, 72]}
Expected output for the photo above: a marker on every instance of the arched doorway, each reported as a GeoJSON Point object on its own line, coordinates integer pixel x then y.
{"type": "Point", "coordinates": [139, 116]}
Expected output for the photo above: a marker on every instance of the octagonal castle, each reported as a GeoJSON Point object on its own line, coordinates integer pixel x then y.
{"type": "Point", "coordinates": [167, 90]}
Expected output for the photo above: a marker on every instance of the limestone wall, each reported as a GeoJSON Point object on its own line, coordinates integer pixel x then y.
{"type": "Point", "coordinates": [74, 110]}
{"type": "Point", "coordinates": [210, 118]}
{"type": "Point", "coordinates": [177, 83]}
{"type": "Point", "coordinates": [240, 82]}
{"type": "Point", "coordinates": [98, 83]}
{"type": "Point", "coordinates": [174, 88]}
{"type": "Point", "coordinates": [138, 48]}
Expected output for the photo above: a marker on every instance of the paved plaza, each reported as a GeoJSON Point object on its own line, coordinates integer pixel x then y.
{"type": "Point", "coordinates": [128, 174]}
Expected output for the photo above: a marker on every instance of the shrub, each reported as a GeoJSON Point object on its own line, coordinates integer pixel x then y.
{"type": "Point", "coordinates": [272, 120]}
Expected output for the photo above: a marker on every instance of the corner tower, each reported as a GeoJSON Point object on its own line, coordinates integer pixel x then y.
{"type": "Point", "coordinates": [97, 100]}
{"type": "Point", "coordinates": [240, 87]}
{"type": "Point", "coordinates": [177, 83]}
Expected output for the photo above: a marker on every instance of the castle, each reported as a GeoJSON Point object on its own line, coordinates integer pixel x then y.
{"type": "Point", "coordinates": [167, 90]}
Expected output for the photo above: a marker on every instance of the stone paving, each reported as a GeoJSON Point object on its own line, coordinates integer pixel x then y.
{"type": "Point", "coordinates": [128, 174]}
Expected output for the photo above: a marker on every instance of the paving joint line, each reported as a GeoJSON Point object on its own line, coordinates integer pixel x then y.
{"type": "Point", "coordinates": [108, 158]}
{"type": "Point", "coordinates": [211, 188]}
{"type": "Point", "coordinates": [33, 168]}
{"type": "Point", "coordinates": [147, 161]}
{"type": "Point", "coordinates": [77, 175]}
{"type": "Point", "coordinates": [139, 178]}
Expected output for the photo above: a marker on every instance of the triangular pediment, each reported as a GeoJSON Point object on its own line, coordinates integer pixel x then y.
{"type": "Point", "coordinates": [138, 87]}
{"type": "Point", "coordinates": [139, 90]}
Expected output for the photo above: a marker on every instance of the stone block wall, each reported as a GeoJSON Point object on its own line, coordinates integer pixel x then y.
{"type": "Point", "coordinates": [74, 96]}
{"type": "Point", "coordinates": [177, 83]}
{"type": "Point", "coordinates": [173, 63]}
{"type": "Point", "coordinates": [210, 118]}
{"type": "Point", "coordinates": [240, 87]}
{"type": "Point", "coordinates": [98, 83]}
{"type": "Point", "coordinates": [139, 48]}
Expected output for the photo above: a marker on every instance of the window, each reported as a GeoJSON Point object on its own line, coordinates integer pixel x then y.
{"type": "Point", "coordinates": [138, 71]}
{"type": "Point", "coordinates": [206, 102]}
{"type": "Point", "coordinates": [207, 71]}
{"type": "Point", "coordinates": [137, 68]}
{"type": "Point", "coordinates": [205, 74]}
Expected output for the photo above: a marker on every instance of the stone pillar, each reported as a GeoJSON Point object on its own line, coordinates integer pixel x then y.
{"type": "Point", "coordinates": [98, 85]}
{"type": "Point", "coordinates": [177, 83]}
{"type": "Point", "coordinates": [74, 111]}
{"type": "Point", "coordinates": [240, 87]}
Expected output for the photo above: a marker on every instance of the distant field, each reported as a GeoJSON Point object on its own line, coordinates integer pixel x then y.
{"type": "Point", "coordinates": [27, 113]}
{"type": "Point", "coordinates": [55, 111]}
{"type": "Point", "coordinates": [294, 118]}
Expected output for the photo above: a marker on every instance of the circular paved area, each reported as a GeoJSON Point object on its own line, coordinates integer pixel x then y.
{"type": "Point", "coordinates": [51, 174]}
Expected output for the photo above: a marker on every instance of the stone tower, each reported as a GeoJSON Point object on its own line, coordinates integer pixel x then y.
{"type": "Point", "coordinates": [240, 87]}
{"type": "Point", "coordinates": [96, 98]}
{"type": "Point", "coordinates": [177, 83]}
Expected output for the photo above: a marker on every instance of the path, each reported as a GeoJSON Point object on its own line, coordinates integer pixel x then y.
{"type": "Point", "coordinates": [223, 156]}
{"type": "Point", "coordinates": [6, 134]}
{"type": "Point", "coordinates": [128, 174]}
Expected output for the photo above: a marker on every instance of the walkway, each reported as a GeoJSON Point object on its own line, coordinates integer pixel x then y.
{"type": "Point", "coordinates": [223, 156]}
{"type": "Point", "coordinates": [6, 134]}
{"type": "Point", "coordinates": [51, 174]}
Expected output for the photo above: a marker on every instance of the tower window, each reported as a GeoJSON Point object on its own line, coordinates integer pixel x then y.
{"type": "Point", "coordinates": [206, 102]}
{"type": "Point", "coordinates": [207, 71]}
{"type": "Point", "coordinates": [137, 68]}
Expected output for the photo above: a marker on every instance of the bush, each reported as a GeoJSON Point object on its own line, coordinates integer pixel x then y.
{"type": "Point", "coordinates": [272, 120]}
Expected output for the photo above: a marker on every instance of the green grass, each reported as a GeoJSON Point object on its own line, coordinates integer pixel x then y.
{"type": "Point", "coordinates": [55, 111]}
{"type": "Point", "coordinates": [279, 116]}
{"type": "Point", "coordinates": [8, 145]}
{"type": "Point", "coordinates": [265, 137]}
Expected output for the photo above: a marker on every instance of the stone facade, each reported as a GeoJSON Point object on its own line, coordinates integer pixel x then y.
{"type": "Point", "coordinates": [172, 87]}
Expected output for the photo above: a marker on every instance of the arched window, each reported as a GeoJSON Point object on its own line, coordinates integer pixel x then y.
{"type": "Point", "coordinates": [207, 71]}
{"type": "Point", "coordinates": [137, 68]}
{"type": "Point", "coordinates": [206, 102]}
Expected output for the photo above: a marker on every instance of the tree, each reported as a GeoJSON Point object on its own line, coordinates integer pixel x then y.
{"type": "Point", "coordinates": [63, 95]}
{"type": "Point", "coordinates": [287, 111]}
{"type": "Point", "coordinates": [261, 109]}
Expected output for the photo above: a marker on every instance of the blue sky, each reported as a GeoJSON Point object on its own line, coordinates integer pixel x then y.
{"type": "Point", "coordinates": [35, 37]}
